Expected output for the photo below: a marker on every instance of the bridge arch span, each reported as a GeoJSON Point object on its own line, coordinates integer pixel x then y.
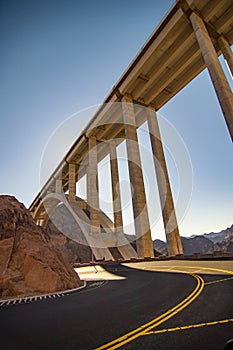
{"type": "Point", "coordinates": [101, 244]}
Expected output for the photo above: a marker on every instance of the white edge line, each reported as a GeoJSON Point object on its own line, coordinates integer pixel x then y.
{"type": "Point", "coordinates": [44, 295]}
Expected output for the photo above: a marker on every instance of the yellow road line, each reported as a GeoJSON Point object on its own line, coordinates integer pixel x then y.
{"type": "Point", "coordinates": [140, 331]}
{"type": "Point", "coordinates": [193, 326]}
{"type": "Point", "coordinates": [228, 272]}
{"type": "Point", "coordinates": [117, 343]}
{"type": "Point", "coordinates": [197, 268]}
{"type": "Point", "coordinates": [218, 281]}
{"type": "Point", "coordinates": [185, 302]}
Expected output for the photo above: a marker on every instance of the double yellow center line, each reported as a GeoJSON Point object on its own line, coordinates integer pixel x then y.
{"type": "Point", "coordinates": [147, 327]}
{"type": "Point", "coordinates": [192, 326]}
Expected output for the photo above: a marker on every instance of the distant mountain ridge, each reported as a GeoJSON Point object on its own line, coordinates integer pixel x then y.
{"type": "Point", "coordinates": [206, 243]}
{"type": "Point", "coordinates": [217, 237]}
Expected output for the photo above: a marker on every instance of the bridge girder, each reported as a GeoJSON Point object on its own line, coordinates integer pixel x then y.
{"type": "Point", "coordinates": [189, 39]}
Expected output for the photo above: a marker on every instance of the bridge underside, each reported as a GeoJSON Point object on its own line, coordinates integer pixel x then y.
{"type": "Point", "coordinates": [189, 39]}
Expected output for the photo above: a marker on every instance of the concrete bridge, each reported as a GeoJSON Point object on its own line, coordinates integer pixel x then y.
{"type": "Point", "coordinates": [190, 38]}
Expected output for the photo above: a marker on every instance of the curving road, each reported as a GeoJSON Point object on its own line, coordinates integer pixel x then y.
{"type": "Point", "coordinates": [158, 309]}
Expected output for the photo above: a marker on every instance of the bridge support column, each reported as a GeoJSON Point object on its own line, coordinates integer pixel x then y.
{"type": "Point", "coordinates": [216, 72]}
{"type": "Point", "coordinates": [72, 182]}
{"type": "Point", "coordinates": [92, 187]}
{"type": "Point", "coordinates": [59, 185]}
{"type": "Point", "coordinates": [116, 197]}
{"type": "Point", "coordinates": [227, 53]}
{"type": "Point", "coordinates": [174, 244]}
{"type": "Point", "coordinates": [141, 219]}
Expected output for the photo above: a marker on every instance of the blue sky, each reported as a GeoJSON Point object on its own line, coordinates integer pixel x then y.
{"type": "Point", "coordinates": [59, 57]}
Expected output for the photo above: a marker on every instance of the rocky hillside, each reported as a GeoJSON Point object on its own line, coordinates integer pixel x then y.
{"type": "Point", "coordinates": [131, 239]}
{"type": "Point", "coordinates": [207, 243]}
{"type": "Point", "coordinates": [198, 244]}
{"type": "Point", "coordinates": [191, 245]}
{"type": "Point", "coordinates": [217, 237]}
{"type": "Point", "coordinates": [29, 263]}
{"type": "Point", "coordinates": [73, 250]}
{"type": "Point", "coordinates": [160, 246]}
{"type": "Point", "coordinates": [77, 249]}
{"type": "Point", "coordinates": [226, 245]}
{"type": "Point", "coordinates": [223, 240]}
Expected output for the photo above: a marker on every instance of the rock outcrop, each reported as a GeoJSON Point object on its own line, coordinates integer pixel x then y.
{"type": "Point", "coordinates": [29, 263]}
{"type": "Point", "coordinates": [76, 252]}
{"type": "Point", "coordinates": [225, 246]}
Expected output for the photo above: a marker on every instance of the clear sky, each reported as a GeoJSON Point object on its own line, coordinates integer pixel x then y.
{"type": "Point", "coordinates": [61, 56]}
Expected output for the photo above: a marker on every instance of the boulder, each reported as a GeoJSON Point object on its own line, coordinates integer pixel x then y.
{"type": "Point", "coordinates": [29, 263]}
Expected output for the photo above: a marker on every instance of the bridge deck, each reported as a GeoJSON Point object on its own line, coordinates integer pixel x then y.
{"type": "Point", "coordinates": [168, 61]}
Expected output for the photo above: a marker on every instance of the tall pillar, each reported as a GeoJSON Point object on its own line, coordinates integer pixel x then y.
{"type": "Point", "coordinates": [72, 182]}
{"type": "Point", "coordinates": [92, 187]}
{"type": "Point", "coordinates": [174, 244]}
{"type": "Point", "coordinates": [216, 72]}
{"type": "Point", "coordinates": [116, 197]}
{"type": "Point", "coordinates": [59, 185]}
{"type": "Point", "coordinates": [227, 53]}
{"type": "Point", "coordinates": [141, 219]}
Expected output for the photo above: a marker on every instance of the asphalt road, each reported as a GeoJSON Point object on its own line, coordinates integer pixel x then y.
{"type": "Point", "coordinates": [92, 317]}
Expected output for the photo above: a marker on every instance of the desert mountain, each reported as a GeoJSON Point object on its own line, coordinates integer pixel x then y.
{"type": "Point", "coordinates": [198, 244]}
{"type": "Point", "coordinates": [217, 237]}
{"type": "Point", "coordinates": [204, 244]}
{"type": "Point", "coordinates": [226, 244]}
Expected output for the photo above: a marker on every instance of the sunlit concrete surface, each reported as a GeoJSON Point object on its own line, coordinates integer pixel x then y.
{"type": "Point", "coordinates": [96, 273]}
{"type": "Point", "coordinates": [220, 267]}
